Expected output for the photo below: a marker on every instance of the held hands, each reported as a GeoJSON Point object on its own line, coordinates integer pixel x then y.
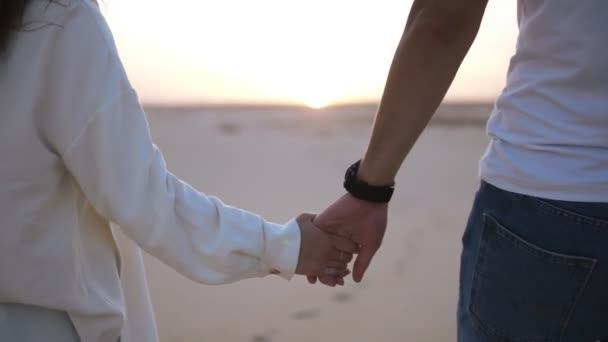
{"type": "Point", "coordinates": [322, 254]}
{"type": "Point", "coordinates": [359, 222]}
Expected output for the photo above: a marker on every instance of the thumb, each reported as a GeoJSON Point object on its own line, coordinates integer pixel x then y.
{"type": "Point", "coordinates": [305, 217]}
{"type": "Point", "coordinates": [366, 254]}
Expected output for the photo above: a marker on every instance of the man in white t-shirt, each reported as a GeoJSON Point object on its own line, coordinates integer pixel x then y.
{"type": "Point", "coordinates": [535, 252]}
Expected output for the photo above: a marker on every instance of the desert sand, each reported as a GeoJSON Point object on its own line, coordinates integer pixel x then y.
{"type": "Point", "coordinates": [280, 164]}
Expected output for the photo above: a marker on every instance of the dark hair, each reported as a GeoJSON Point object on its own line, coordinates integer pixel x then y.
{"type": "Point", "coordinates": [11, 18]}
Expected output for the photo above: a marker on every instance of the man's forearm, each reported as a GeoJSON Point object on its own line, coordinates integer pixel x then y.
{"type": "Point", "coordinates": [425, 64]}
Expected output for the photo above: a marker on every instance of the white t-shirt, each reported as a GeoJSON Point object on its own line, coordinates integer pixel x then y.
{"type": "Point", "coordinates": [549, 128]}
{"type": "Point", "coordinates": [76, 155]}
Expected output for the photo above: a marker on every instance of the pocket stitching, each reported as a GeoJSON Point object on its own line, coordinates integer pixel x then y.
{"type": "Point", "coordinates": [587, 263]}
{"type": "Point", "coordinates": [487, 330]}
{"type": "Point", "coordinates": [578, 218]}
{"type": "Point", "coordinates": [552, 257]}
{"type": "Point", "coordinates": [577, 297]}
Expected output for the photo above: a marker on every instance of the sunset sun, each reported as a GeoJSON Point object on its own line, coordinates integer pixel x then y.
{"type": "Point", "coordinates": [317, 104]}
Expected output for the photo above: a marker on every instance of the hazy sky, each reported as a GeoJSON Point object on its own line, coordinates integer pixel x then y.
{"type": "Point", "coordinates": [313, 52]}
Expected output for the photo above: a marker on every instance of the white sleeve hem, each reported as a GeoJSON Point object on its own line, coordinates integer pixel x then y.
{"type": "Point", "coordinates": [282, 248]}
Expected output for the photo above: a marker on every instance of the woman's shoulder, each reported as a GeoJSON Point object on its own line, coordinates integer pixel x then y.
{"type": "Point", "coordinates": [40, 12]}
{"type": "Point", "coordinates": [73, 44]}
{"type": "Point", "coordinates": [83, 16]}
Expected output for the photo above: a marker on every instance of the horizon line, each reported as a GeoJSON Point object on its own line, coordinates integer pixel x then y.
{"type": "Point", "coordinates": [157, 105]}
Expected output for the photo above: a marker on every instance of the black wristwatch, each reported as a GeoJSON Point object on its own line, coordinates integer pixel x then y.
{"type": "Point", "coordinates": [363, 191]}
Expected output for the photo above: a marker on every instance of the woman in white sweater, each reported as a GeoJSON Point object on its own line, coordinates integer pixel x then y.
{"type": "Point", "coordinates": [77, 155]}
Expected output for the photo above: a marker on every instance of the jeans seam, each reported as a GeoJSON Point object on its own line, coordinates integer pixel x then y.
{"type": "Point", "coordinates": [577, 298]}
{"type": "Point", "coordinates": [578, 218]}
{"type": "Point", "coordinates": [552, 258]}
{"type": "Point", "coordinates": [479, 259]}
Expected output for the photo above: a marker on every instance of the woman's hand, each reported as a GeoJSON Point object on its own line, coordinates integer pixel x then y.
{"type": "Point", "coordinates": [322, 254]}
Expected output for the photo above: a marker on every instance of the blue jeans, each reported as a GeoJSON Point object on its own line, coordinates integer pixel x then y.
{"type": "Point", "coordinates": [533, 270]}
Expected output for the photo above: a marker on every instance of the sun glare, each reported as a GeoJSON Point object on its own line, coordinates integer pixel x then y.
{"type": "Point", "coordinates": [317, 104]}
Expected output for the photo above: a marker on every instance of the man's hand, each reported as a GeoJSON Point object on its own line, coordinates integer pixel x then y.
{"type": "Point", "coordinates": [364, 223]}
{"type": "Point", "coordinates": [322, 254]}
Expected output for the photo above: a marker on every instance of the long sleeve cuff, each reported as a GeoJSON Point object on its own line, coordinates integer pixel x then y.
{"type": "Point", "coordinates": [282, 249]}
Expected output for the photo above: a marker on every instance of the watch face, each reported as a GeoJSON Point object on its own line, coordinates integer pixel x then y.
{"type": "Point", "coordinates": [351, 173]}
{"type": "Point", "coordinates": [361, 190]}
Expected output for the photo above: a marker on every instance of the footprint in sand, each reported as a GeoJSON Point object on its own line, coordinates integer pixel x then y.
{"type": "Point", "coordinates": [343, 297]}
{"type": "Point", "coordinates": [260, 338]}
{"type": "Point", "coordinates": [265, 337]}
{"type": "Point", "coordinates": [399, 268]}
{"type": "Point", "coordinates": [306, 314]}
{"type": "Point", "coordinates": [229, 128]}
{"type": "Point", "coordinates": [325, 133]}
{"type": "Point", "coordinates": [410, 251]}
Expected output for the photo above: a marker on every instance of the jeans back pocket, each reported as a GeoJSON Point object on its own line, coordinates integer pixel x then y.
{"type": "Point", "coordinates": [522, 292]}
